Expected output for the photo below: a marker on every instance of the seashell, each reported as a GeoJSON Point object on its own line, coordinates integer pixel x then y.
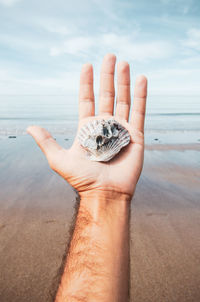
{"type": "Point", "coordinates": [103, 139]}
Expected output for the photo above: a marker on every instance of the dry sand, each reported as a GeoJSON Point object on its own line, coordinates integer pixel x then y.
{"type": "Point", "coordinates": [36, 208]}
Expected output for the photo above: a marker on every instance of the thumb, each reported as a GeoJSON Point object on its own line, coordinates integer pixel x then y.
{"type": "Point", "coordinates": [46, 142]}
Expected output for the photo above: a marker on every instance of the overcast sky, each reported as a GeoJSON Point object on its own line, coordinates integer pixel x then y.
{"type": "Point", "coordinates": [44, 43]}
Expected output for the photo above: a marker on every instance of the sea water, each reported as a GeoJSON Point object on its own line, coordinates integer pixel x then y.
{"type": "Point", "coordinates": [169, 119]}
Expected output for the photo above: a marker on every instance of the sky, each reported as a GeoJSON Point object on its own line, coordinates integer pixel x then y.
{"type": "Point", "coordinates": [43, 44]}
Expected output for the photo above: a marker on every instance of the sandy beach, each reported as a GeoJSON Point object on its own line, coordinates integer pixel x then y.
{"type": "Point", "coordinates": [37, 206]}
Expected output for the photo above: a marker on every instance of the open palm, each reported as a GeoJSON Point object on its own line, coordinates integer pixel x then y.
{"type": "Point", "coordinates": [122, 172]}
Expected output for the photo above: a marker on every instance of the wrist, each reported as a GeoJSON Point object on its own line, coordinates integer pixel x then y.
{"type": "Point", "coordinates": [100, 203]}
{"type": "Point", "coordinates": [105, 196]}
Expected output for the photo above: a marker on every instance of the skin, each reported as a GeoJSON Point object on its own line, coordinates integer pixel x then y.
{"type": "Point", "coordinates": [97, 265]}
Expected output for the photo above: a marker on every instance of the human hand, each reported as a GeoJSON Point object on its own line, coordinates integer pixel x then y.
{"type": "Point", "coordinates": [120, 175]}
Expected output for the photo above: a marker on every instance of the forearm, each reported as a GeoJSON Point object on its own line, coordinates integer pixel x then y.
{"type": "Point", "coordinates": [97, 266]}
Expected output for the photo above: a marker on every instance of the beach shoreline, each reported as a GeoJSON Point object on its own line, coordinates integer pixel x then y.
{"type": "Point", "coordinates": [37, 206]}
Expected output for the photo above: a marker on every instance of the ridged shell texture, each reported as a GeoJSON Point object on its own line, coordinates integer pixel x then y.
{"type": "Point", "coordinates": [103, 139]}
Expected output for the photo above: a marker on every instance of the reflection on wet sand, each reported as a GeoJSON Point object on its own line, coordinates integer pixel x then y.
{"type": "Point", "coordinates": [36, 209]}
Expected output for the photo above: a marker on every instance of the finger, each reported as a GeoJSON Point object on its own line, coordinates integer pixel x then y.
{"type": "Point", "coordinates": [139, 103]}
{"type": "Point", "coordinates": [45, 141]}
{"type": "Point", "coordinates": [107, 90]}
{"type": "Point", "coordinates": [86, 94]}
{"type": "Point", "coordinates": [123, 90]}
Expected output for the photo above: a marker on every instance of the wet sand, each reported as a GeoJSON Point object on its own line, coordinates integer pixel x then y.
{"type": "Point", "coordinates": [36, 209]}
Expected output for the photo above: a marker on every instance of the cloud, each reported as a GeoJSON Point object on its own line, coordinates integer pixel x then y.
{"type": "Point", "coordinates": [9, 2]}
{"type": "Point", "coordinates": [193, 39]}
{"type": "Point", "coordinates": [22, 43]}
{"type": "Point", "coordinates": [170, 81]}
{"type": "Point", "coordinates": [192, 60]}
{"type": "Point", "coordinates": [74, 46]}
{"type": "Point", "coordinates": [54, 26]}
{"type": "Point", "coordinates": [162, 82]}
{"type": "Point", "coordinates": [122, 45]}
{"type": "Point", "coordinates": [128, 47]}
{"type": "Point", "coordinates": [182, 6]}
{"type": "Point", "coordinates": [106, 7]}
{"type": "Point", "coordinates": [57, 29]}
{"type": "Point", "coordinates": [185, 9]}
{"type": "Point", "coordinates": [41, 41]}
{"type": "Point", "coordinates": [16, 82]}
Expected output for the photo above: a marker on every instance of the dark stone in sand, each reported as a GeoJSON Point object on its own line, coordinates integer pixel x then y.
{"type": "Point", "coordinates": [12, 136]}
{"type": "Point", "coordinates": [66, 139]}
{"type": "Point", "coordinates": [155, 139]}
